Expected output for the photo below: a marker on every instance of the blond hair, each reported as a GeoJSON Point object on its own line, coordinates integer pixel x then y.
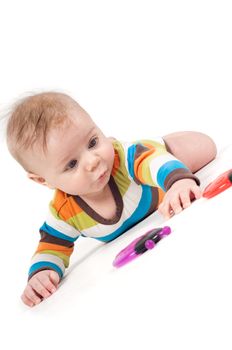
{"type": "Point", "coordinates": [31, 120]}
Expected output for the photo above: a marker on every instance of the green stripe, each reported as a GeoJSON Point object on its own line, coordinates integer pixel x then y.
{"type": "Point", "coordinates": [53, 210]}
{"type": "Point", "coordinates": [82, 221]}
{"type": "Point", "coordinates": [121, 176]}
{"type": "Point", "coordinates": [64, 257]}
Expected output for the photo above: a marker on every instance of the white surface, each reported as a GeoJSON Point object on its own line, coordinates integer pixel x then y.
{"type": "Point", "coordinates": [141, 69]}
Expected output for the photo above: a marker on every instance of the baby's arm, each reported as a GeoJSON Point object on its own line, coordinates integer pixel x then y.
{"type": "Point", "coordinates": [51, 257]}
{"type": "Point", "coordinates": [151, 164]}
{"type": "Point", "coordinates": [40, 286]}
{"type": "Point", "coordinates": [195, 150]}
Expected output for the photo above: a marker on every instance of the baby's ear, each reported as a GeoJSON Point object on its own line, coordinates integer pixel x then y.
{"type": "Point", "coordinates": [38, 179]}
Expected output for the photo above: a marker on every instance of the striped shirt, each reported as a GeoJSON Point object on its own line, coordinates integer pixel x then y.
{"type": "Point", "coordinates": [142, 172]}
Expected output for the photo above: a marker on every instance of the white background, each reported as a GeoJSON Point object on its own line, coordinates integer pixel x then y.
{"type": "Point", "coordinates": [141, 69]}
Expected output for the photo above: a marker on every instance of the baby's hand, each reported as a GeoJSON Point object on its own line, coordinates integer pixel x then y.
{"type": "Point", "coordinates": [40, 286]}
{"type": "Point", "coordinates": [179, 197]}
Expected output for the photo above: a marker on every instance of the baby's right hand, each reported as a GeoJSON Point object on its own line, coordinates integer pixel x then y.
{"type": "Point", "coordinates": [40, 286]}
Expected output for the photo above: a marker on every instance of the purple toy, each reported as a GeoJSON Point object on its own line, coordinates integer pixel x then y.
{"type": "Point", "coordinates": [140, 245]}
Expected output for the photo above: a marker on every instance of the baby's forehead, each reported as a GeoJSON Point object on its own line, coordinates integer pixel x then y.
{"type": "Point", "coordinates": [75, 128]}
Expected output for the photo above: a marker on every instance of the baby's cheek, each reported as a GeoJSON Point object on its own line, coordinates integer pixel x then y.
{"type": "Point", "coordinates": [109, 153]}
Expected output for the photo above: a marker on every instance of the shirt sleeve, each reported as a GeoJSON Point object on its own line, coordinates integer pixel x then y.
{"type": "Point", "coordinates": [150, 163]}
{"type": "Point", "coordinates": [55, 246]}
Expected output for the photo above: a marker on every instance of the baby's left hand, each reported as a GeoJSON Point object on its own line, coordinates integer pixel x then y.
{"type": "Point", "coordinates": [179, 197]}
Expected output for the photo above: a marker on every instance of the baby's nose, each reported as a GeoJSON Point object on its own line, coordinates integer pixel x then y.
{"type": "Point", "coordinates": [92, 162]}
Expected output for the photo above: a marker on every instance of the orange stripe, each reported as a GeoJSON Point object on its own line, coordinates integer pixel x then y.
{"type": "Point", "coordinates": [148, 145]}
{"type": "Point", "coordinates": [59, 248]}
{"type": "Point", "coordinates": [74, 207]}
{"type": "Point", "coordinates": [59, 200]}
{"type": "Point", "coordinates": [69, 210]}
{"type": "Point", "coordinates": [116, 163]}
{"type": "Point", "coordinates": [138, 161]}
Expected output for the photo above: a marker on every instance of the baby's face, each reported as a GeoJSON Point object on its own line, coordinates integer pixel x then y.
{"type": "Point", "coordinates": [79, 158]}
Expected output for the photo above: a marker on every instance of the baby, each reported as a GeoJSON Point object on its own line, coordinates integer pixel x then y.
{"type": "Point", "coordinates": [102, 186]}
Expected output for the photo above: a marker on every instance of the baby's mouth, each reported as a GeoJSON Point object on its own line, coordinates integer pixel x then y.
{"type": "Point", "coordinates": [103, 175]}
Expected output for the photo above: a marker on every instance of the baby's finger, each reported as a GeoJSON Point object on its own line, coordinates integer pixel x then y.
{"type": "Point", "coordinates": [175, 205]}
{"type": "Point", "coordinates": [196, 192]}
{"type": "Point", "coordinates": [164, 209]}
{"type": "Point", "coordinates": [39, 287]}
{"type": "Point", "coordinates": [54, 277]}
{"type": "Point", "coordinates": [45, 280]}
{"type": "Point", "coordinates": [31, 295]}
{"type": "Point", "coordinates": [27, 301]}
{"type": "Point", "coordinates": [185, 200]}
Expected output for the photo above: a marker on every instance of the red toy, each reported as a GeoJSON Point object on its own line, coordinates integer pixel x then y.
{"type": "Point", "coordinates": [221, 183]}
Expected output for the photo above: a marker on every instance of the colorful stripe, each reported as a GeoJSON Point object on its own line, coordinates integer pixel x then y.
{"type": "Point", "coordinates": [47, 261]}
{"type": "Point", "coordinates": [166, 169]}
{"type": "Point", "coordinates": [53, 232]}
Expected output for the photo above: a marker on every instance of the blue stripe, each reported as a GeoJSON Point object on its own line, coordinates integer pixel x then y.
{"type": "Point", "coordinates": [51, 231]}
{"type": "Point", "coordinates": [139, 213]}
{"type": "Point", "coordinates": [166, 169]}
{"type": "Point", "coordinates": [43, 264]}
{"type": "Point", "coordinates": [130, 160]}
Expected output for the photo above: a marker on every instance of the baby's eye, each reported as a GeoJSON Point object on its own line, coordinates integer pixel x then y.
{"type": "Point", "coordinates": [72, 164]}
{"type": "Point", "coordinates": [93, 142]}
